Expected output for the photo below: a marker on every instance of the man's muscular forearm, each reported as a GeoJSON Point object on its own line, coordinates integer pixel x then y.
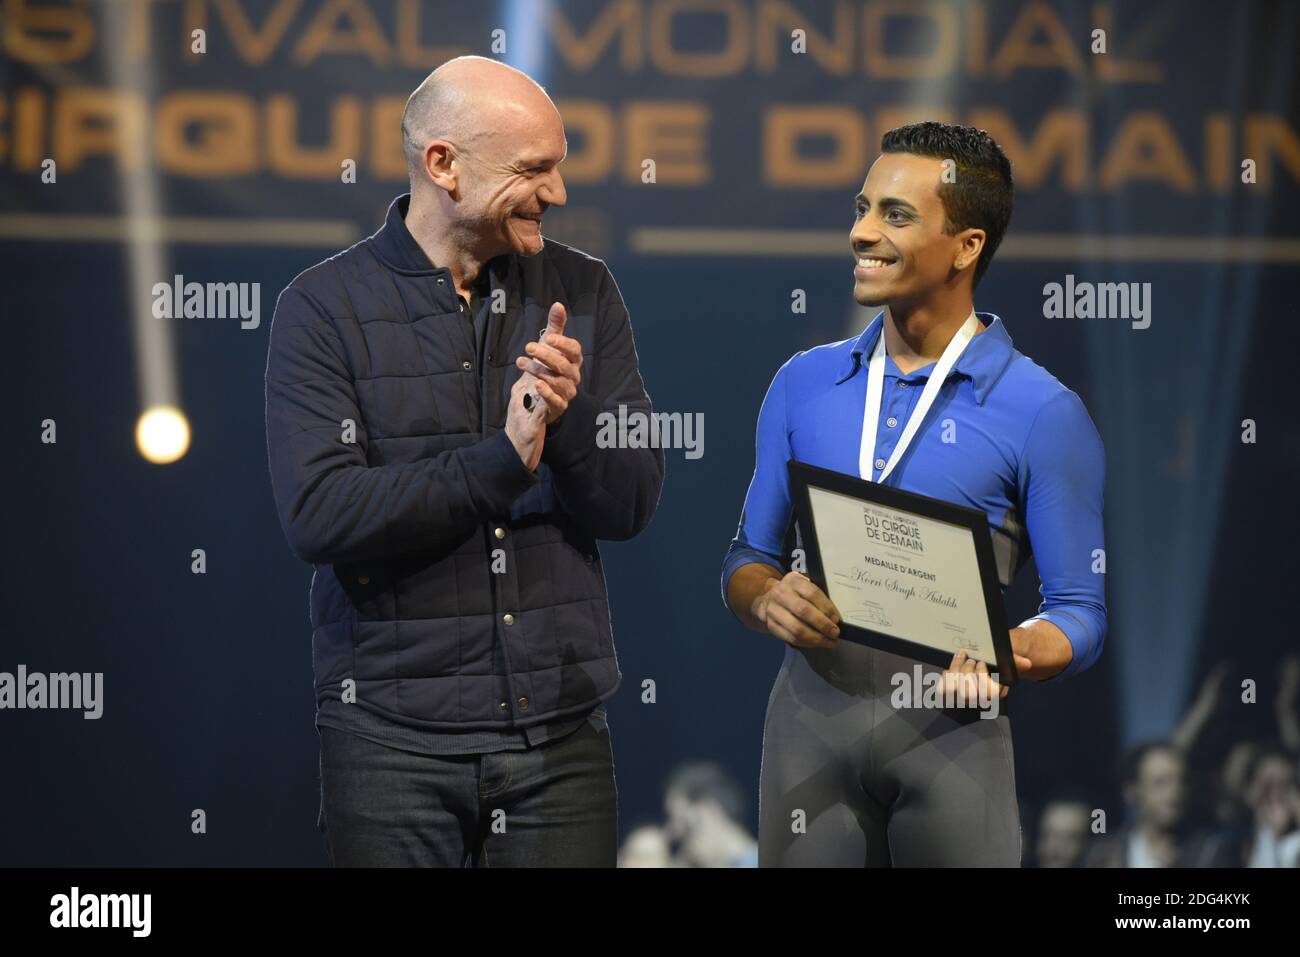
{"type": "Point", "coordinates": [1043, 644]}
{"type": "Point", "coordinates": [789, 607]}
{"type": "Point", "coordinates": [749, 583]}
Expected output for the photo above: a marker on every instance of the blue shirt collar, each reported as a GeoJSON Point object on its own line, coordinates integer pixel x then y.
{"type": "Point", "coordinates": [983, 361]}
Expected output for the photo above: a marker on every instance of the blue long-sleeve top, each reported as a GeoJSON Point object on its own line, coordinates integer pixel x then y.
{"type": "Point", "coordinates": [1003, 436]}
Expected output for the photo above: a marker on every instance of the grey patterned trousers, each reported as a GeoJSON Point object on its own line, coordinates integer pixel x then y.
{"type": "Point", "coordinates": [850, 780]}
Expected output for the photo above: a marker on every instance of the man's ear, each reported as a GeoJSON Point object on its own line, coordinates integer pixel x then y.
{"type": "Point", "coordinates": [972, 244]}
{"type": "Point", "coordinates": [440, 165]}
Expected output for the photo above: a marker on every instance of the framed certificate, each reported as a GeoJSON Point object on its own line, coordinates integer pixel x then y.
{"type": "Point", "coordinates": [909, 574]}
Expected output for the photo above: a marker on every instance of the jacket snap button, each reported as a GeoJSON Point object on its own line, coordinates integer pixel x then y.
{"type": "Point", "coordinates": [465, 365]}
{"type": "Point", "coordinates": [523, 704]}
{"type": "Point", "coordinates": [503, 706]}
{"type": "Point", "coordinates": [509, 619]}
{"type": "Point", "coordinates": [363, 579]}
{"type": "Point", "coordinates": [500, 533]}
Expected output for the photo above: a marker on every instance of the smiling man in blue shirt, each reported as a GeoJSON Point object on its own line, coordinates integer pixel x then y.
{"type": "Point", "coordinates": [848, 779]}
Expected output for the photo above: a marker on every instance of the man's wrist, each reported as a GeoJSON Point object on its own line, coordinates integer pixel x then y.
{"type": "Point", "coordinates": [1047, 644]}
{"type": "Point", "coordinates": [758, 607]}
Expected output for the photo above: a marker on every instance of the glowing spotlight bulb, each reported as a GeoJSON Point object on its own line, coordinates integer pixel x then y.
{"type": "Point", "coordinates": [162, 434]}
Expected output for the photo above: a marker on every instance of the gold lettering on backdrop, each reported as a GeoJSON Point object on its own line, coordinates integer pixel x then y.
{"type": "Point", "coordinates": [1146, 149]}
{"type": "Point", "coordinates": [256, 46]}
{"type": "Point", "coordinates": [323, 36]}
{"type": "Point", "coordinates": [85, 124]}
{"type": "Point", "coordinates": [29, 129]}
{"type": "Point", "coordinates": [1111, 67]}
{"type": "Point", "coordinates": [224, 143]}
{"type": "Point", "coordinates": [938, 62]}
{"type": "Point", "coordinates": [1020, 50]}
{"type": "Point", "coordinates": [581, 53]}
{"type": "Point", "coordinates": [977, 40]}
{"type": "Point", "coordinates": [1219, 166]}
{"type": "Point", "coordinates": [958, 32]}
{"type": "Point", "coordinates": [1061, 139]}
{"type": "Point", "coordinates": [409, 51]}
{"type": "Point", "coordinates": [195, 18]}
{"type": "Point", "coordinates": [786, 124]}
{"type": "Point", "coordinates": [673, 134]}
{"type": "Point", "coordinates": [1267, 136]}
{"type": "Point", "coordinates": [139, 28]}
{"type": "Point", "coordinates": [775, 20]}
{"type": "Point", "coordinates": [89, 122]}
{"type": "Point", "coordinates": [48, 34]}
{"type": "Point", "coordinates": [287, 157]}
{"type": "Point", "coordinates": [729, 61]}
{"type": "Point", "coordinates": [591, 123]}
{"type": "Point", "coordinates": [204, 133]}
{"type": "Point", "coordinates": [387, 161]}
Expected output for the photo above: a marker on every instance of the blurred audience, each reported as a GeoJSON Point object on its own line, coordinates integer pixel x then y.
{"type": "Point", "coordinates": [646, 846]}
{"type": "Point", "coordinates": [1063, 830]}
{"type": "Point", "coordinates": [705, 811]}
{"type": "Point", "coordinates": [1230, 803]}
{"type": "Point", "coordinates": [1158, 832]}
{"type": "Point", "coordinates": [1273, 799]}
{"type": "Point", "coordinates": [1248, 814]}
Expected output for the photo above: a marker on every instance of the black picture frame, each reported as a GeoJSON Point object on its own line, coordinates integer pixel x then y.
{"type": "Point", "coordinates": [803, 476]}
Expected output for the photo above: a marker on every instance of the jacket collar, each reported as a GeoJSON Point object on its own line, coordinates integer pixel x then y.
{"type": "Point", "coordinates": [398, 250]}
{"type": "Point", "coordinates": [395, 245]}
{"type": "Point", "coordinates": [982, 361]}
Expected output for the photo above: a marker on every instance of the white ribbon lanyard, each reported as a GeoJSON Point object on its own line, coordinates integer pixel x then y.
{"type": "Point", "coordinates": [876, 388]}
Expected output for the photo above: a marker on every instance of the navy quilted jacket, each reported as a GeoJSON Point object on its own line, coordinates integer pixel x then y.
{"type": "Point", "coordinates": [403, 522]}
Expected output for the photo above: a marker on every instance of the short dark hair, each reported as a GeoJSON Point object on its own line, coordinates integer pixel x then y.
{"type": "Point", "coordinates": [983, 194]}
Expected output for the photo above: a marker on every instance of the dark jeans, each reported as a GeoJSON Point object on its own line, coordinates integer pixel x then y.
{"type": "Point", "coordinates": [549, 806]}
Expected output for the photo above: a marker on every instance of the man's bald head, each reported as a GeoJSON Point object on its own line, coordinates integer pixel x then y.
{"type": "Point", "coordinates": [468, 100]}
{"type": "Point", "coordinates": [483, 145]}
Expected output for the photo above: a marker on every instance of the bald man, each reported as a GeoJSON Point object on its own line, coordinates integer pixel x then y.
{"type": "Point", "coordinates": [438, 464]}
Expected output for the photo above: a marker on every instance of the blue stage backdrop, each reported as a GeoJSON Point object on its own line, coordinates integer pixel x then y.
{"type": "Point", "coordinates": [714, 152]}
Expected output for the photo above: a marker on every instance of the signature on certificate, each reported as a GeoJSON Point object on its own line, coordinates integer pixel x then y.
{"type": "Point", "coordinates": [875, 615]}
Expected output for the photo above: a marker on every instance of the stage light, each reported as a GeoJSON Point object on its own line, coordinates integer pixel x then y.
{"type": "Point", "coordinates": [162, 435]}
